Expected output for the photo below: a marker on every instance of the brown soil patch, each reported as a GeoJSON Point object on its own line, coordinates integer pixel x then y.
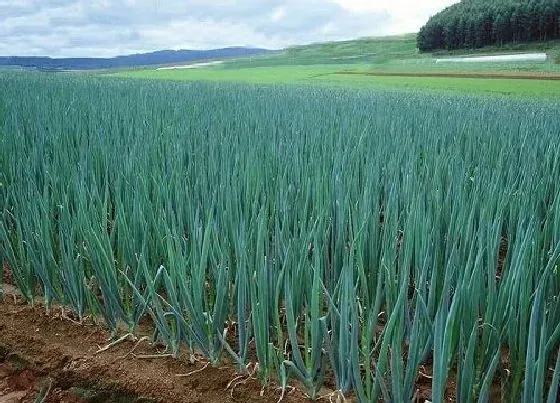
{"type": "Point", "coordinates": [8, 277]}
{"type": "Point", "coordinates": [52, 356]}
{"type": "Point", "coordinates": [502, 75]}
{"type": "Point", "coordinates": [502, 255]}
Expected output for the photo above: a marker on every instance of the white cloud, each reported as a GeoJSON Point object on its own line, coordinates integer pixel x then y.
{"type": "Point", "coordinates": [407, 15]}
{"type": "Point", "coordinates": [75, 28]}
{"type": "Point", "coordinates": [278, 14]}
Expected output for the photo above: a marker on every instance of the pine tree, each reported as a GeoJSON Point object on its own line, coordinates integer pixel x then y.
{"type": "Point", "coordinates": [477, 23]}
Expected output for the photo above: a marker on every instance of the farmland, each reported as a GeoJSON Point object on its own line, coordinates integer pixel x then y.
{"type": "Point", "coordinates": [383, 63]}
{"type": "Point", "coordinates": [338, 76]}
{"type": "Point", "coordinates": [343, 241]}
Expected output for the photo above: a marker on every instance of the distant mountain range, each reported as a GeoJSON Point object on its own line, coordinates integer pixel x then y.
{"type": "Point", "coordinates": [162, 57]}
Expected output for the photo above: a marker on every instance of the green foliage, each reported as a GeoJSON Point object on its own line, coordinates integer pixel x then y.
{"type": "Point", "coordinates": [478, 23]}
{"type": "Point", "coordinates": [376, 50]}
{"type": "Point", "coordinates": [365, 235]}
{"type": "Point", "coordinates": [319, 76]}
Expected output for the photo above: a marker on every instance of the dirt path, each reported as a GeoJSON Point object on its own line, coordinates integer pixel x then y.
{"type": "Point", "coordinates": [502, 75]}
{"type": "Point", "coordinates": [56, 358]}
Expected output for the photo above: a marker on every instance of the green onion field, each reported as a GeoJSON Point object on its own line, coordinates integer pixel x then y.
{"type": "Point", "coordinates": [362, 239]}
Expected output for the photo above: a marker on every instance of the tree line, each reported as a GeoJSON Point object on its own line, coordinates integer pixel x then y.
{"type": "Point", "coordinates": [478, 23]}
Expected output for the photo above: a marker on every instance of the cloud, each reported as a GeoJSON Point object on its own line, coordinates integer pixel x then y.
{"type": "Point", "coordinates": [101, 28]}
{"type": "Point", "coordinates": [406, 15]}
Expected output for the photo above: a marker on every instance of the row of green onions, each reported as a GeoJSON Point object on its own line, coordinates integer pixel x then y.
{"type": "Point", "coordinates": [365, 237]}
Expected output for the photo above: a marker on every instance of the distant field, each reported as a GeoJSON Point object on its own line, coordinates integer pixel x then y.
{"type": "Point", "coordinates": [329, 75]}
{"type": "Point", "coordinates": [369, 51]}
{"type": "Point", "coordinates": [377, 59]}
{"type": "Point", "coordinates": [395, 53]}
{"type": "Point", "coordinates": [260, 75]}
{"type": "Point", "coordinates": [484, 86]}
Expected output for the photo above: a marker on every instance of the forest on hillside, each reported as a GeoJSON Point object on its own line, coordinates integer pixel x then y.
{"type": "Point", "coordinates": [478, 23]}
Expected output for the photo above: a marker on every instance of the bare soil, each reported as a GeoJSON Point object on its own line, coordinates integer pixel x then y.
{"type": "Point", "coordinates": [51, 357]}
{"type": "Point", "coordinates": [507, 75]}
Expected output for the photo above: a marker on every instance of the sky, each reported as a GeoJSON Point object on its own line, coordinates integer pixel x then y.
{"type": "Point", "coordinates": [105, 28]}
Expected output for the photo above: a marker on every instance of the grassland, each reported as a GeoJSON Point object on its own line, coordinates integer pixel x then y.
{"type": "Point", "coordinates": [319, 64]}
{"type": "Point", "coordinates": [328, 75]}
{"type": "Point", "coordinates": [389, 52]}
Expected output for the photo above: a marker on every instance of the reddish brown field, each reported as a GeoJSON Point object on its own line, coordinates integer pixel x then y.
{"type": "Point", "coordinates": [53, 356]}
{"type": "Point", "coordinates": [507, 75]}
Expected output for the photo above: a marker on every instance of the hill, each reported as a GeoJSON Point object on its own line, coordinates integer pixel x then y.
{"type": "Point", "coordinates": [128, 61]}
{"type": "Point", "coordinates": [477, 23]}
{"type": "Point", "coordinates": [363, 50]}
{"type": "Point", "coordinates": [397, 52]}
{"type": "Point", "coordinates": [383, 62]}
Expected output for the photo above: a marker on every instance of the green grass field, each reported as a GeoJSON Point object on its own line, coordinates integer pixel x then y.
{"type": "Point", "coordinates": [394, 52]}
{"type": "Point", "coordinates": [326, 75]}
{"type": "Point", "coordinates": [318, 64]}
